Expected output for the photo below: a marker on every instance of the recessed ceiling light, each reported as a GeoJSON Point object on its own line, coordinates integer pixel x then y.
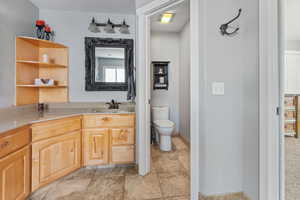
{"type": "Point", "coordinates": [166, 18]}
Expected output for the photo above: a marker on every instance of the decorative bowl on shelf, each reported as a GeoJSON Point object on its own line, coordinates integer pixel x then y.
{"type": "Point", "coordinates": [44, 81]}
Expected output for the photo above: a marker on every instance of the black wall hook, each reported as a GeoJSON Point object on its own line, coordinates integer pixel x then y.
{"type": "Point", "coordinates": [224, 27]}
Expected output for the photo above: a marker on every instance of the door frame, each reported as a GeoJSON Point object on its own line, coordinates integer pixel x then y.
{"type": "Point", "coordinates": [271, 77]}
{"type": "Point", "coordinates": [143, 85]}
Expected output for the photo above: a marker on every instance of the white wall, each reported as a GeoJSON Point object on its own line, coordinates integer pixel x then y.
{"type": "Point", "coordinates": [165, 47]}
{"type": "Point", "coordinates": [293, 45]}
{"type": "Point", "coordinates": [141, 3]}
{"type": "Point", "coordinates": [16, 18]}
{"type": "Point", "coordinates": [229, 136]}
{"type": "Point", "coordinates": [71, 28]}
{"type": "Point", "coordinates": [184, 83]}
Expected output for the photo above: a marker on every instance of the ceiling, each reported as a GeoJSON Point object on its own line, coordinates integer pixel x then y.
{"type": "Point", "coordinates": [292, 19]}
{"type": "Point", "coordinates": [180, 19]}
{"type": "Point", "coordinates": [103, 6]}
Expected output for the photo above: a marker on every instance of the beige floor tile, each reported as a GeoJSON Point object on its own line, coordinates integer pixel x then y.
{"type": "Point", "coordinates": [184, 159]}
{"type": "Point", "coordinates": [179, 144]}
{"type": "Point", "coordinates": [167, 162]}
{"type": "Point", "coordinates": [142, 187]}
{"type": "Point", "coordinates": [292, 168]}
{"type": "Point", "coordinates": [178, 198]}
{"type": "Point", "coordinates": [83, 173]}
{"type": "Point", "coordinates": [67, 187]}
{"type": "Point", "coordinates": [174, 183]}
{"type": "Point", "coordinates": [104, 188]}
{"type": "Point", "coordinates": [41, 193]}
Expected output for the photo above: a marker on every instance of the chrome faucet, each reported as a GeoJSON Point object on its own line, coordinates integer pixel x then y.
{"type": "Point", "coordinates": [113, 104]}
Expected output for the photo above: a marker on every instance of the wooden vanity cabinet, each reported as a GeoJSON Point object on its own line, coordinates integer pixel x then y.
{"type": "Point", "coordinates": [115, 142]}
{"type": "Point", "coordinates": [15, 164]}
{"type": "Point", "coordinates": [54, 157]}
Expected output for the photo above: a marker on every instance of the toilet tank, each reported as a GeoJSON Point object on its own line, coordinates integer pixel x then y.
{"type": "Point", "coordinates": [160, 113]}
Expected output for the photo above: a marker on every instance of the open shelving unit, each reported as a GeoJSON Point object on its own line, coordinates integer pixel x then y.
{"type": "Point", "coordinates": [291, 116]}
{"type": "Point", "coordinates": [160, 75]}
{"type": "Point", "coordinates": [29, 52]}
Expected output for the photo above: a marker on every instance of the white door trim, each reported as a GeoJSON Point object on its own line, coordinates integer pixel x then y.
{"type": "Point", "coordinates": [143, 86]}
{"type": "Point", "coordinates": [269, 92]}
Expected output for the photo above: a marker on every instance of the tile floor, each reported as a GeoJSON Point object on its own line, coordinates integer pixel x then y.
{"type": "Point", "coordinates": [168, 180]}
{"type": "Point", "coordinates": [292, 168]}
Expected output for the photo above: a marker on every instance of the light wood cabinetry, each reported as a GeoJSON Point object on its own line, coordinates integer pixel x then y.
{"type": "Point", "coordinates": [122, 136]}
{"type": "Point", "coordinates": [15, 164]}
{"type": "Point", "coordinates": [120, 131]}
{"type": "Point", "coordinates": [56, 149]}
{"type": "Point", "coordinates": [108, 121]}
{"type": "Point", "coordinates": [14, 140]}
{"type": "Point", "coordinates": [122, 154]}
{"type": "Point", "coordinates": [96, 146]}
{"type": "Point", "coordinates": [55, 157]}
{"type": "Point", "coordinates": [53, 128]}
{"type": "Point", "coordinates": [29, 65]}
{"type": "Point", "coordinates": [15, 175]}
{"type": "Point", "coordinates": [32, 158]}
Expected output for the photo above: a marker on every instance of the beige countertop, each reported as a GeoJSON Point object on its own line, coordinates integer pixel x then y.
{"type": "Point", "coordinates": [15, 117]}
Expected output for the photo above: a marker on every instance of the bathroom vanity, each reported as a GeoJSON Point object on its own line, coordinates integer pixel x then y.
{"type": "Point", "coordinates": [57, 144]}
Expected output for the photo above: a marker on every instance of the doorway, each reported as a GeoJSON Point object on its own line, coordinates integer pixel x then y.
{"type": "Point", "coordinates": [144, 87]}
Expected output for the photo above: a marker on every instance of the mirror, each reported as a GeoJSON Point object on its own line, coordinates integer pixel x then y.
{"type": "Point", "coordinates": [108, 64]}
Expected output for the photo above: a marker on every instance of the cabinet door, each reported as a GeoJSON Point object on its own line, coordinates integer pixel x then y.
{"type": "Point", "coordinates": [55, 157]}
{"type": "Point", "coordinates": [14, 175]}
{"type": "Point", "coordinates": [122, 136]}
{"type": "Point", "coordinates": [96, 147]}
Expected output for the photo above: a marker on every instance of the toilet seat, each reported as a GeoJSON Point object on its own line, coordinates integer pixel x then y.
{"type": "Point", "coordinates": [164, 123]}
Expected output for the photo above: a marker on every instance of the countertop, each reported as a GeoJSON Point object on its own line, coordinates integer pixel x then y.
{"type": "Point", "coordinates": [12, 118]}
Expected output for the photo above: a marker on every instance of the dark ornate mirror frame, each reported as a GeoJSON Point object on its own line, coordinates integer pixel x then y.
{"type": "Point", "coordinates": [90, 44]}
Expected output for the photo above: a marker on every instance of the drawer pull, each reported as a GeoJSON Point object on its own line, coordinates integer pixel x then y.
{"type": "Point", "coordinates": [105, 119]}
{"type": "Point", "coordinates": [4, 144]}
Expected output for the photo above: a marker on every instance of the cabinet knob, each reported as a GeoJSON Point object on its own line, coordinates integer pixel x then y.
{"type": "Point", "coordinates": [4, 144]}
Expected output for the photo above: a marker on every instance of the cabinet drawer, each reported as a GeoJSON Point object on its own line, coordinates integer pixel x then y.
{"type": "Point", "coordinates": [121, 136]}
{"type": "Point", "coordinates": [122, 154]}
{"type": "Point", "coordinates": [94, 121]}
{"type": "Point", "coordinates": [14, 140]}
{"type": "Point", "coordinates": [55, 127]}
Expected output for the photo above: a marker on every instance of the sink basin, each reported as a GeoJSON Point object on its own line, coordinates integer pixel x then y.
{"type": "Point", "coordinates": [106, 110]}
{"type": "Point", "coordinates": [98, 110]}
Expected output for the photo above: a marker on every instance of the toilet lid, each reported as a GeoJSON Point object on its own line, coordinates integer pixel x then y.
{"type": "Point", "coordinates": [164, 123]}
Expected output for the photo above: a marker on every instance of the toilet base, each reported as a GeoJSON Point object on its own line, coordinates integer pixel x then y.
{"type": "Point", "coordinates": [165, 143]}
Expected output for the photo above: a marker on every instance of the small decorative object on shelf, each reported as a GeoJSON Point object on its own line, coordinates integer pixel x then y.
{"type": "Point", "coordinates": [44, 82]}
{"type": "Point", "coordinates": [43, 31]}
{"type": "Point", "coordinates": [160, 75]}
{"type": "Point", "coordinates": [40, 24]}
{"type": "Point", "coordinates": [48, 32]}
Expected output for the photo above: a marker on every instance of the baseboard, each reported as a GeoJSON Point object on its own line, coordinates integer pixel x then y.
{"type": "Point", "coordinates": [229, 196]}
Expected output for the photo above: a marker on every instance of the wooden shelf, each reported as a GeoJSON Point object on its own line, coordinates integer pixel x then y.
{"type": "Point", "coordinates": [43, 86]}
{"type": "Point", "coordinates": [40, 64]}
{"type": "Point", "coordinates": [42, 43]}
{"type": "Point", "coordinates": [29, 53]}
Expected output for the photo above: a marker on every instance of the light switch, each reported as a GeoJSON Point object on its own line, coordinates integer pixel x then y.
{"type": "Point", "coordinates": [218, 88]}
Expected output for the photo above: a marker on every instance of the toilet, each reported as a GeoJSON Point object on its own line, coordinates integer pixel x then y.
{"type": "Point", "coordinates": [163, 127]}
